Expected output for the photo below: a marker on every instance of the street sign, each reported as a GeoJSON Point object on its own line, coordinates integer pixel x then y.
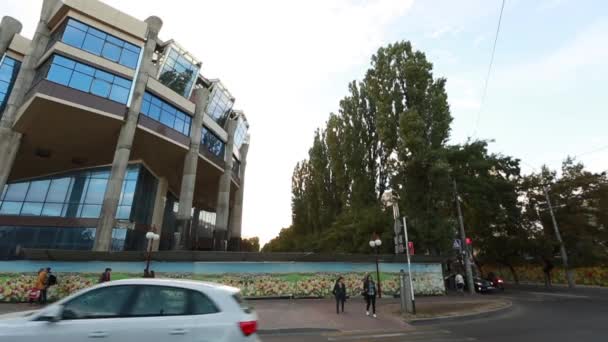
{"type": "Point", "coordinates": [457, 244]}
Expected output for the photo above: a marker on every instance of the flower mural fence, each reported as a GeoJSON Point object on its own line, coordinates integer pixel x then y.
{"type": "Point", "coordinates": [14, 287]}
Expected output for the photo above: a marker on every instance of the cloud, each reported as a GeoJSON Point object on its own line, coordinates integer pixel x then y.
{"type": "Point", "coordinates": [444, 31]}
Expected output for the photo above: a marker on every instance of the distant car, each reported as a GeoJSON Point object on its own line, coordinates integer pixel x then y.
{"type": "Point", "coordinates": [147, 310]}
{"type": "Point", "coordinates": [483, 285]}
{"type": "Point", "coordinates": [497, 282]}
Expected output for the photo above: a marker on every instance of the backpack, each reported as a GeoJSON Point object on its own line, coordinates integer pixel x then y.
{"type": "Point", "coordinates": [52, 280]}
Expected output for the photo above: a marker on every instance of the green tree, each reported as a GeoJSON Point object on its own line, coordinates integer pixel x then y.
{"type": "Point", "coordinates": [250, 244]}
{"type": "Point", "coordinates": [414, 125]}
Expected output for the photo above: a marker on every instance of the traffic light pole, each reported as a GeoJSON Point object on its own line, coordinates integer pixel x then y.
{"type": "Point", "coordinates": [409, 266]}
{"type": "Point", "coordinates": [463, 237]}
{"type": "Point", "coordinates": [562, 248]}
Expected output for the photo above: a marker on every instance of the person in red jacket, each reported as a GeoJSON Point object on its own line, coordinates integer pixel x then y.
{"type": "Point", "coordinates": [106, 275]}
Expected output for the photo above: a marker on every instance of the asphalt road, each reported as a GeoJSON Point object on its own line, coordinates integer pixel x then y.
{"type": "Point", "coordinates": [537, 315]}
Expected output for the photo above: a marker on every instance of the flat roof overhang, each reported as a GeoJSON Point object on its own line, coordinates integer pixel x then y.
{"type": "Point", "coordinates": [64, 129]}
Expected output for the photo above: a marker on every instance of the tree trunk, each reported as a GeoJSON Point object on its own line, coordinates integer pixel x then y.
{"type": "Point", "coordinates": [514, 273]}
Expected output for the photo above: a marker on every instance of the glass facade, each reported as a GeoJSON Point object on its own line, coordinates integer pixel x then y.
{"type": "Point", "coordinates": [212, 142]}
{"type": "Point", "coordinates": [179, 71]}
{"type": "Point", "coordinates": [73, 238]}
{"type": "Point", "coordinates": [8, 72]}
{"type": "Point", "coordinates": [99, 43]}
{"type": "Point", "coordinates": [220, 105]}
{"type": "Point", "coordinates": [163, 112]}
{"type": "Point", "coordinates": [78, 194]}
{"type": "Point", "coordinates": [241, 133]}
{"type": "Point", "coordinates": [85, 78]}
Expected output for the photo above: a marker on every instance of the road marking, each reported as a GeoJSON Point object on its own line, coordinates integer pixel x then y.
{"type": "Point", "coordinates": [429, 336]}
{"type": "Point", "coordinates": [559, 295]}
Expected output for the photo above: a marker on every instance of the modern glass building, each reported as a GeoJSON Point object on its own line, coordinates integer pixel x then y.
{"type": "Point", "coordinates": [92, 159]}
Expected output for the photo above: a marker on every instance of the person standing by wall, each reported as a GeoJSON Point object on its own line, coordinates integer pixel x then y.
{"type": "Point", "coordinates": [459, 282]}
{"type": "Point", "coordinates": [339, 292]}
{"type": "Point", "coordinates": [41, 285]}
{"type": "Point", "coordinates": [370, 292]}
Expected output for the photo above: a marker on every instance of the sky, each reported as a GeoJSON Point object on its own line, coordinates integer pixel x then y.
{"type": "Point", "coordinates": [288, 64]}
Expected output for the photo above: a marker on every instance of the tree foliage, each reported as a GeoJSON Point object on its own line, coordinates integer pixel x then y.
{"type": "Point", "coordinates": [250, 244]}
{"type": "Point", "coordinates": [391, 131]}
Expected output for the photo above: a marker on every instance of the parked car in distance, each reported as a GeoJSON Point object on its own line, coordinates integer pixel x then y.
{"type": "Point", "coordinates": [147, 310]}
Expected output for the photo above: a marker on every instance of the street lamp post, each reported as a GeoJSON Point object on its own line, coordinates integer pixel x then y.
{"type": "Point", "coordinates": [390, 200]}
{"type": "Point", "coordinates": [150, 236]}
{"type": "Point", "coordinates": [375, 243]}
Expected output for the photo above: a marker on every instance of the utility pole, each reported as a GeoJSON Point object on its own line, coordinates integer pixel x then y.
{"type": "Point", "coordinates": [463, 237]}
{"type": "Point", "coordinates": [562, 247]}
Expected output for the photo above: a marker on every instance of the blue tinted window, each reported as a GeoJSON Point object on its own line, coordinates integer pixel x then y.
{"type": "Point", "coordinates": [58, 190]}
{"type": "Point", "coordinates": [52, 209]}
{"type": "Point", "coordinates": [100, 88]}
{"type": "Point", "coordinates": [81, 82]}
{"type": "Point", "coordinates": [10, 208]}
{"type": "Point", "coordinates": [123, 213]}
{"type": "Point", "coordinates": [16, 192]}
{"type": "Point", "coordinates": [99, 43]}
{"type": "Point", "coordinates": [241, 133]}
{"type": "Point", "coordinates": [78, 194]}
{"type": "Point", "coordinates": [111, 52]}
{"type": "Point", "coordinates": [167, 114]}
{"type": "Point", "coordinates": [31, 209]}
{"type": "Point", "coordinates": [178, 72]}
{"type": "Point", "coordinates": [88, 79]}
{"type": "Point", "coordinates": [129, 58]}
{"type": "Point", "coordinates": [95, 191]}
{"type": "Point", "coordinates": [212, 142]}
{"type": "Point", "coordinates": [93, 45]}
{"type": "Point", "coordinates": [8, 72]}
{"type": "Point", "coordinates": [220, 104]}
{"type": "Point", "coordinates": [73, 36]}
{"type": "Point", "coordinates": [119, 94]}
{"type": "Point", "coordinates": [37, 191]}
{"type": "Point", "coordinates": [59, 74]}
{"type": "Point", "coordinates": [90, 211]}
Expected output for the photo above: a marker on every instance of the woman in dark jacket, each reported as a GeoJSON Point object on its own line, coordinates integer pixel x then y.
{"type": "Point", "coordinates": [339, 292]}
{"type": "Point", "coordinates": [370, 292]}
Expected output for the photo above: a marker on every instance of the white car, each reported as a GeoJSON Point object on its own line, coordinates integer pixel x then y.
{"type": "Point", "coordinates": [133, 310]}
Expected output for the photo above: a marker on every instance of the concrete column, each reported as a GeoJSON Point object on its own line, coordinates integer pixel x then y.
{"type": "Point", "coordinates": [186, 194]}
{"type": "Point", "coordinates": [103, 236]}
{"type": "Point", "coordinates": [193, 235]}
{"type": "Point", "coordinates": [9, 27]}
{"type": "Point", "coordinates": [223, 196]}
{"type": "Point", "coordinates": [9, 139]}
{"type": "Point", "coordinates": [158, 214]}
{"type": "Point", "coordinates": [236, 215]}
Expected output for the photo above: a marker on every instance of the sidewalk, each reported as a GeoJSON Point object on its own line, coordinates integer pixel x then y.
{"type": "Point", "coordinates": [320, 314]}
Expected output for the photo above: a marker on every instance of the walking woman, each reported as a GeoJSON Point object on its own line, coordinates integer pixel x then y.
{"type": "Point", "coordinates": [339, 292]}
{"type": "Point", "coordinates": [370, 293]}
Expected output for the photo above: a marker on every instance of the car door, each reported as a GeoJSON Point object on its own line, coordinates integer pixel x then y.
{"type": "Point", "coordinates": [177, 314]}
{"type": "Point", "coordinates": [95, 315]}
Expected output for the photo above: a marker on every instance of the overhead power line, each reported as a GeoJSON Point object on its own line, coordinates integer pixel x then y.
{"type": "Point", "coordinates": [485, 87]}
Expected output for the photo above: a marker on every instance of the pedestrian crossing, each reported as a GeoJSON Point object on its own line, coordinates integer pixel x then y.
{"type": "Point", "coordinates": [427, 335]}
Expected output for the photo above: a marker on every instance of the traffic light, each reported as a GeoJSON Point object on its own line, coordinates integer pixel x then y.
{"type": "Point", "coordinates": [410, 246]}
{"type": "Point", "coordinates": [468, 241]}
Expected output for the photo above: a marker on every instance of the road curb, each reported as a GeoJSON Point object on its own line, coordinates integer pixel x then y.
{"type": "Point", "coordinates": [296, 331]}
{"type": "Point", "coordinates": [422, 321]}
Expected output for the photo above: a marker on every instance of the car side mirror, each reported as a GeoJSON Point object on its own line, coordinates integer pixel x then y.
{"type": "Point", "coordinates": [52, 313]}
